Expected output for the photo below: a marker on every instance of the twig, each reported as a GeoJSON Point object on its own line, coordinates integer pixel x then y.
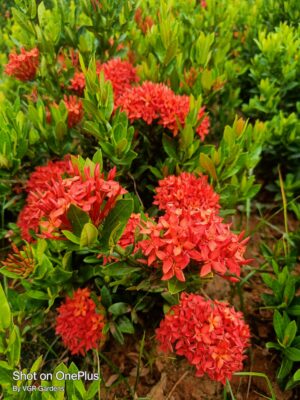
{"type": "Point", "coordinates": [176, 384]}
{"type": "Point", "coordinates": [135, 189]}
{"type": "Point", "coordinates": [250, 377]}
{"type": "Point", "coordinates": [205, 294]}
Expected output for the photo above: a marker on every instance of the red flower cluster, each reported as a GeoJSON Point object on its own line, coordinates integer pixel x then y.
{"type": "Point", "coordinates": [23, 66]}
{"type": "Point", "coordinates": [79, 324]}
{"type": "Point", "coordinates": [156, 101]}
{"type": "Point", "coordinates": [75, 110]}
{"type": "Point", "coordinates": [120, 73]}
{"type": "Point", "coordinates": [211, 335]}
{"type": "Point", "coordinates": [191, 231]}
{"type": "Point", "coordinates": [186, 191]}
{"type": "Point", "coordinates": [45, 174]}
{"type": "Point", "coordinates": [47, 205]}
{"type": "Point", "coordinates": [78, 83]}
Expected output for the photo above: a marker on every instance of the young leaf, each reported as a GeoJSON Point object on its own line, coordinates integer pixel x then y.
{"type": "Point", "coordinates": [88, 235]}
{"type": "Point", "coordinates": [207, 164]}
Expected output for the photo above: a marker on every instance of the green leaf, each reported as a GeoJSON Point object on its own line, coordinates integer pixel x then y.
{"type": "Point", "coordinates": [289, 333]}
{"type": "Point", "coordinates": [186, 137]}
{"type": "Point", "coordinates": [32, 9]}
{"type": "Point", "coordinates": [59, 382]}
{"type": "Point", "coordinates": [106, 299]}
{"type": "Point", "coordinates": [278, 325]}
{"type": "Point", "coordinates": [22, 20]}
{"type": "Point", "coordinates": [93, 389]}
{"type": "Point", "coordinates": [273, 345]}
{"type": "Point", "coordinates": [115, 331]}
{"type": "Point", "coordinates": [79, 386]}
{"type": "Point", "coordinates": [169, 146]}
{"type": "Point", "coordinates": [70, 236]}
{"type": "Point", "coordinates": [97, 158]}
{"type": "Point", "coordinates": [292, 353]}
{"type": "Point", "coordinates": [14, 346]}
{"type": "Point", "coordinates": [60, 130]}
{"type": "Point", "coordinates": [207, 164]}
{"type": "Point", "coordinates": [115, 223]}
{"type": "Point", "coordinates": [171, 51]}
{"type": "Point", "coordinates": [5, 374]}
{"type": "Point", "coordinates": [289, 291]}
{"type": "Point", "coordinates": [78, 218]}
{"type": "Point", "coordinates": [5, 313]}
{"type": "Point", "coordinates": [285, 368]}
{"type": "Point", "coordinates": [175, 286]}
{"type": "Point", "coordinates": [119, 270]}
{"type": "Point", "coordinates": [36, 365]}
{"type": "Point", "coordinates": [89, 235]}
{"type": "Point", "coordinates": [121, 308]}
{"type": "Point", "coordinates": [294, 310]}
{"type": "Point", "coordinates": [38, 295]}
{"type": "Point", "coordinates": [296, 375]}
{"type": "Point", "coordinates": [125, 325]}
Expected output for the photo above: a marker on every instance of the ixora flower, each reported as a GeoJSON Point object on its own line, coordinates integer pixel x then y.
{"type": "Point", "coordinates": [121, 74]}
{"type": "Point", "coordinates": [186, 191]}
{"type": "Point", "coordinates": [191, 231]}
{"type": "Point", "coordinates": [52, 190]}
{"type": "Point", "coordinates": [182, 237]}
{"type": "Point", "coordinates": [75, 110]}
{"type": "Point", "coordinates": [23, 66]}
{"type": "Point", "coordinates": [211, 335]}
{"type": "Point", "coordinates": [20, 262]}
{"type": "Point", "coordinates": [156, 101]}
{"type": "Point", "coordinates": [79, 324]}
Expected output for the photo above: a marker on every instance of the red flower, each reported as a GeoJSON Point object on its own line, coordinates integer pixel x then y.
{"type": "Point", "coordinates": [47, 206]}
{"type": "Point", "coordinates": [156, 101]}
{"type": "Point", "coordinates": [43, 175]}
{"type": "Point", "coordinates": [79, 324]}
{"type": "Point", "coordinates": [182, 237]}
{"type": "Point", "coordinates": [186, 191]}
{"type": "Point", "coordinates": [75, 110]}
{"type": "Point", "coordinates": [191, 231]}
{"type": "Point", "coordinates": [132, 227]}
{"type": "Point", "coordinates": [120, 73]}
{"type": "Point", "coordinates": [211, 335]}
{"type": "Point", "coordinates": [23, 66]}
{"type": "Point", "coordinates": [78, 83]}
